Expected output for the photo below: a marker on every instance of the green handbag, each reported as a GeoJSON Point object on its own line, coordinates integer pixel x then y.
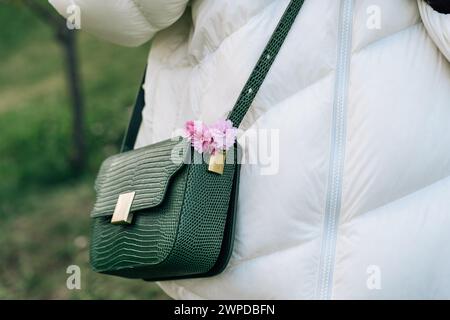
{"type": "Point", "coordinates": [161, 211]}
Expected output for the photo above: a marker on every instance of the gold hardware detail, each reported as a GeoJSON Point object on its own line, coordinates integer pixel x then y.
{"type": "Point", "coordinates": [122, 214]}
{"type": "Point", "coordinates": [217, 162]}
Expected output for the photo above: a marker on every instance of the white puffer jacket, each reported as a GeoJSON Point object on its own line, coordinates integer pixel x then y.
{"type": "Point", "coordinates": [360, 94]}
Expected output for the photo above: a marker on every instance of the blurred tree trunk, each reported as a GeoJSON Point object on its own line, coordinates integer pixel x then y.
{"type": "Point", "coordinates": [68, 43]}
{"type": "Point", "coordinates": [67, 39]}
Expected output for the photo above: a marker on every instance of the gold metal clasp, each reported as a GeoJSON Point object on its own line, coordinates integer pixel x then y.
{"type": "Point", "coordinates": [217, 162]}
{"type": "Point", "coordinates": [122, 214]}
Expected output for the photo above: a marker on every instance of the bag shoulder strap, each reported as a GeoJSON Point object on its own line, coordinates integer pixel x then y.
{"type": "Point", "coordinates": [135, 121]}
{"type": "Point", "coordinates": [251, 87]}
{"type": "Point", "coordinates": [264, 63]}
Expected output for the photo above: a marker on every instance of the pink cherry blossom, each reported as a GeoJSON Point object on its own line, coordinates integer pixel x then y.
{"type": "Point", "coordinates": [199, 135]}
{"type": "Point", "coordinates": [223, 135]}
{"type": "Point", "coordinates": [218, 137]}
{"type": "Point", "coordinates": [189, 129]}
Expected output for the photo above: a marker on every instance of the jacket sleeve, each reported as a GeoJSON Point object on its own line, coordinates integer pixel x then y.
{"type": "Point", "coordinates": [437, 23]}
{"type": "Point", "coordinates": [125, 22]}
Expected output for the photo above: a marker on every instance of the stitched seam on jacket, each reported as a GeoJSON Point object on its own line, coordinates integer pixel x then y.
{"type": "Point", "coordinates": [139, 8]}
{"type": "Point", "coordinates": [399, 198]}
{"type": "Point", "coordinates": [255, 16]}
{"type": "Point", "coordinates": [274, 105]}
{"type": "Point", "coordinates": [250, 18]}
{"type": "Point", "coordinates": [237, 262]}
{"type": "Point", "coordinates": [368, 45]}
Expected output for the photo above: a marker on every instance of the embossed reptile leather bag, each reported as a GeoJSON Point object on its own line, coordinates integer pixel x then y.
{"type": "Point", "coordinates": [159, 219]}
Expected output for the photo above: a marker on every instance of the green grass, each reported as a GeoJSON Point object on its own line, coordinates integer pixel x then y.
{"type": "Point", "coordinates": [50, 233]}
{"type": "Point", "coordinates": [44, 207]}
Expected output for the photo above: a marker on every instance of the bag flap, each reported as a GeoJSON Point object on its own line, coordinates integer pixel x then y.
{"type": "Point", "coordinates": [145, 171]}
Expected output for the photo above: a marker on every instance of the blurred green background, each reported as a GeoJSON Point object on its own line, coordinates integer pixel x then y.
{"type": "Point", "coordinates": [44, 201]}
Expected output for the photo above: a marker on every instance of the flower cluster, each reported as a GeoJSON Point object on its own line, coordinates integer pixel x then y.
{"type": "Point", "coordinates": [210, 139]}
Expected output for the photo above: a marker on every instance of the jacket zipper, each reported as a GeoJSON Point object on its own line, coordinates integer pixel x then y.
{"type": "Point", "coordinates": [338, 141]}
